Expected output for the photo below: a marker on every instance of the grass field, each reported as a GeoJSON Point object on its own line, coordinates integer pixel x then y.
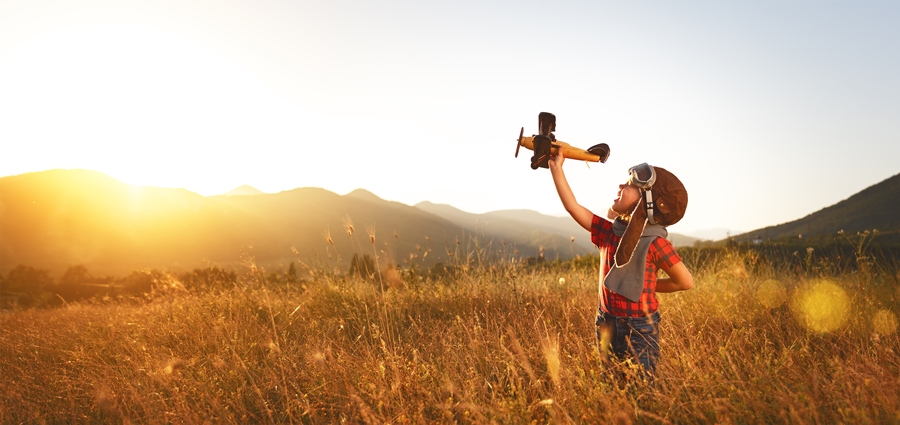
{"type": "Point", "coordinates": [486, 342]}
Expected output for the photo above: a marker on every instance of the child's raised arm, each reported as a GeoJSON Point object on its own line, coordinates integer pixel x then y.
{"type": "Point", "coordinates": [582, 215]}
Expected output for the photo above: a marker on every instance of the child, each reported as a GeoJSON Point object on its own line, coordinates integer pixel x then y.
{"type": "Point", "coordinates": [636, 247]}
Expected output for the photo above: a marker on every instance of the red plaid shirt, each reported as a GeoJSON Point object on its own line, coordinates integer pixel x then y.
{"type": "Point", "coordinates": [662, 255]}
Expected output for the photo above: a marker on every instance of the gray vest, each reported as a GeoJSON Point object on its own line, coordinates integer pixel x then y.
{"type": "Point", "coordinates": [628, 280]}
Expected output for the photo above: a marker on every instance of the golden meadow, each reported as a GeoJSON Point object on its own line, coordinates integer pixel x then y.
{"type": "Point", "coordinates": [768, 335]}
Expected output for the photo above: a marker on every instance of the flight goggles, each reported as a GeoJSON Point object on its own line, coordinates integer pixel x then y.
{"type": "Point", "coordinates": [642, 176]}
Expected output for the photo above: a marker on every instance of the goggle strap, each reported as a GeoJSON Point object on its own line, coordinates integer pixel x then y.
{"type": "Point", "coordinates": [648, 205]}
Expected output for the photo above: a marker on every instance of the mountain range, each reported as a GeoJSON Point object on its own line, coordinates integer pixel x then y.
{"type": "Point", "coordinates": [60, 218]}
{"type": "Point", "coordinates": [56, 219]}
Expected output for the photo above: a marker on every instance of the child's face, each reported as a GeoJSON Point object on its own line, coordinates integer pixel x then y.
{"type": "Point", "coordinates": [628, 197]}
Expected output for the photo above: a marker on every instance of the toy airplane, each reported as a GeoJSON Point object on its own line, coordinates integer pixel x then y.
{"type": "Point", "coordinates": [545, 145]}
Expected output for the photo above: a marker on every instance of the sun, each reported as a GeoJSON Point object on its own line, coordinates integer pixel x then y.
{"type": "Point", "coordinates": [143, 104]}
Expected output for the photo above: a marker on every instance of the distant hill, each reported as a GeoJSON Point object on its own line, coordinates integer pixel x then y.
{"type": "Point", "coordinates": [244, 190]}
{"type": "Point", "coordinates": [876, 207]}
{"type": "Point", "coordinates": [522, 227]}
{"type": "Point", "coordinates": [364, 195]}
{"type": "Point", "coordinates": [715, 234]}
{"type": "Point", "coordinates": [56, 219]}
{"type": "Point", "coordinates": [514, 224]}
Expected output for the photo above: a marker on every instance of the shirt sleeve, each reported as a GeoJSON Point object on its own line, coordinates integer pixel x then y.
{"type": "Point", "coordinates": [601, 232]}
{"type": "Point", "coordinates": [664, 254]}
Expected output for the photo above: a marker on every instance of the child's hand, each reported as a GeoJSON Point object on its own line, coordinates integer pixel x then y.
{"type": "Point", "coordinates": [556, 162]}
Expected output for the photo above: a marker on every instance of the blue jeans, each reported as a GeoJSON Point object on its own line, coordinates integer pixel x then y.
{"type": "Point", "coordinates": [634, 337]}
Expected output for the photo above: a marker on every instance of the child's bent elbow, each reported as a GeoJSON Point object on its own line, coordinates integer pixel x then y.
{"type": "Point", "coordinates": [688, 283]}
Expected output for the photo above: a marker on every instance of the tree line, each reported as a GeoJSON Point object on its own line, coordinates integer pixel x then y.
{"type": "Point", "coordinates": [26, 286]}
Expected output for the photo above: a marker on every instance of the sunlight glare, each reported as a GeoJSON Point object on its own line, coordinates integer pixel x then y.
{"type": "Point", "coordinates": [141, 104]}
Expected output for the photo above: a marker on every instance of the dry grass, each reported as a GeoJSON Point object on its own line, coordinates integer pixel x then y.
{"type": "Point", "coordinates": [501, 343]}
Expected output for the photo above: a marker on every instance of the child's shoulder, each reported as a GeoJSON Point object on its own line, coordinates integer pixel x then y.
{"type": "Point", "coordinates": [664, 251]}
{"type": "Point", "coordinates": [600, 224]}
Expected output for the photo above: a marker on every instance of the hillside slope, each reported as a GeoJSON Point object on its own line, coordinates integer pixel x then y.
{"type": "Point", "coordinates": [876, 207]}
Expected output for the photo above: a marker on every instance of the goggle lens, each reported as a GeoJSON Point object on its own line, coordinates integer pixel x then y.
{"type": "Point", "coordinates": [642, 175]}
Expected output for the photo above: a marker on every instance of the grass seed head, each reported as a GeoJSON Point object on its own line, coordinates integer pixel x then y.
{"type": "Point", "coordinates": [551, 354]}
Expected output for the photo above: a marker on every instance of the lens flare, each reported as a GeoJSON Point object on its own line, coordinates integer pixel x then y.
{"type": "Point", "coordinates": [884, 322]}
{"type": "Point", "coordinates": [771, 294]}
{"type": "Point", "coordinates": [823, 307]}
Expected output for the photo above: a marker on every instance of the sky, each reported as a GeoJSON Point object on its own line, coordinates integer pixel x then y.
{"type": "Point", "coordinates": [766, 110]}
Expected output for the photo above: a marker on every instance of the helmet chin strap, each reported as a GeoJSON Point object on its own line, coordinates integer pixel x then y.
{"type": "Point", "coordinates": [648, 204]}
